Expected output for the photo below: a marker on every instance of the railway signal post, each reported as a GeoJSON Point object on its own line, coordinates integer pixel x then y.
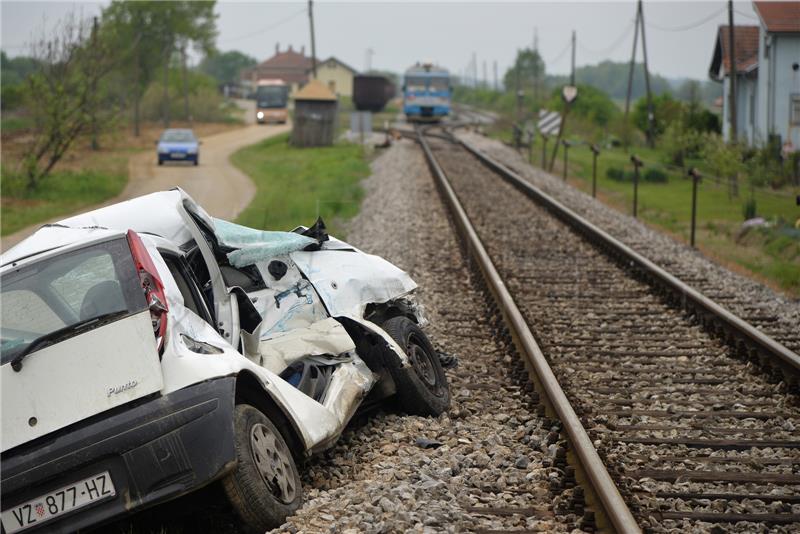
{"type": "Point", "coordinates": [636, 164]}
{"type": "Point", "coordinates": [696, 176]}
{"type": "Point", "coordinates": [544, 151]}
{"type": "Point", "coordinates": [566, 144]}
{"type": "Point", "coordinates": [595, 152]}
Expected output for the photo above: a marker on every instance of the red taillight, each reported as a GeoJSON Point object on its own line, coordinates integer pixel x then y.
{"type": "Point", "coordinates": [152, 286]}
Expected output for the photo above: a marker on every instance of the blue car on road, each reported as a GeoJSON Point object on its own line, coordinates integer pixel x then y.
{"type": "Point", "coordinates": [178, 144]}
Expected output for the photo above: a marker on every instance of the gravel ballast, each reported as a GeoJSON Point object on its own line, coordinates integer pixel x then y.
{"type": "Point", "coordinates": [493, 468]}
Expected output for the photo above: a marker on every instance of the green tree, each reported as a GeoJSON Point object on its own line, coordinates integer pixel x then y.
{"type": "Point", "coordinates": [62, 94]}
{"type": "Point", "coordinates": [666, 110]}
{"type": "Point", "coordinates": [592, 104]}
{"type": "Point", "coordinates": [147, 34]}
{"type": "Point", "coordinates": [225, 67]}
{"type": "Point", "coordinates": [529, 66]}
{"type": "Point", "coordinates": [15, 72]}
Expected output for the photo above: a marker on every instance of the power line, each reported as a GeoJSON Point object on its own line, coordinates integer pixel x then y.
{"type": "Point", "coordinates": [619, 40]}
{"type": "Point", "coordinates": [687, 26]}
{"type": "Point", "coordinates": [267, 28]}
{"type": "Point", "coordinates": [561, 54]}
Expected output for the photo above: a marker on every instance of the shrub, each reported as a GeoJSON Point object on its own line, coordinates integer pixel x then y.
{"type": "Point", "coordinates": [656, 176]}
{"type": "Point", "coordinates": [618, 175]}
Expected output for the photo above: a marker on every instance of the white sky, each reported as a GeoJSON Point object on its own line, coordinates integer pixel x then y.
{"type": "Point", "coordinates": [401, 33]}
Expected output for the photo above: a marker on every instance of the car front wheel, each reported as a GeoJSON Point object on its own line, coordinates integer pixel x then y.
{"type": "Point", "coordinates": [265, 486]}
{"type": "Point", "coordinates": [422, 387]}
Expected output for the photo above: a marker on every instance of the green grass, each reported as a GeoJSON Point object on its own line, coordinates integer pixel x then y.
{"type": "Point", "coordinates": [294, 185]}
{"type": "Point", "coordinates": [772, 255]}
{"type": "Point", "coordinates": [14, 123]}
{"type": "Point", "coordinates": [60, 193]}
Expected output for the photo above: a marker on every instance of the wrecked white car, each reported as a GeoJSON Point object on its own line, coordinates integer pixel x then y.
{"type": "Point", "coordinates": [148, 350]}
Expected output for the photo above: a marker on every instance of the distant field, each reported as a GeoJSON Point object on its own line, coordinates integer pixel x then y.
{"type": "Point", "coordinates": [294, 185]}
{"type": "Point", "coordinates": [771, 255]}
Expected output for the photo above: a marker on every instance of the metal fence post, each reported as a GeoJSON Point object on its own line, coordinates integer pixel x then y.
{"type": "Point", "coordinates": [636, 164]}
{"type": "Point", "coordinates": [595, 152]}
{"type": "Point", "coordinates": [695, 174]}
{"type": "Point", "coordinates": [566, 150]}
{"type": "Point", "coordinates": [544, 151]}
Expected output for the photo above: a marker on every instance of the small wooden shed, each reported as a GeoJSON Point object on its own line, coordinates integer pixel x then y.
{"type": "Point", "coordinates": [315, 109]}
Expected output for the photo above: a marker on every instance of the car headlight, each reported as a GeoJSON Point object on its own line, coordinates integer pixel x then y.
{"type": "Point", "coordinates": [260, 115]}
{"type": "Point", "coordinates": [162, 149]}
{"type": "Point", "coordinates": [192, 150]}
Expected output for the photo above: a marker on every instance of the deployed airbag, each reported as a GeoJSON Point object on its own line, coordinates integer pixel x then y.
{"type": "Point", "coordinates": [253, 246]}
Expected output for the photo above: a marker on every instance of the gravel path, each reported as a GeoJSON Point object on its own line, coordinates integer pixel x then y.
{"type": "Point", "coordinates": [497, 458]}
{"type": "Point", "coordinates": [758, 304]}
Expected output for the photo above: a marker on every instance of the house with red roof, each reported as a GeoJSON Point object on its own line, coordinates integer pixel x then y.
{"type": "Point", "coordinates": [767, 61]}
{"type": "Point", "coordinates": [291, 66]}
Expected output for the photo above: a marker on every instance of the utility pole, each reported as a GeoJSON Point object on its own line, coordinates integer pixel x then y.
{"type": "Point", "coordinates": [630, 74]}
{"type": "Point", "coordinates": [185, 83]}
{"type": "Point", "coordinates": [536, 72]}
{"type": "Point", "coordinates": [572, 71]}
{"type": "Point", "coordinates": [732, 81]}
{"type": "Point", "coordinates": [313, 42]}
{"type": "Point", "coordinates": [95, 144]}
{"type": "Point", "coordinates": [650, 113]}
{"type": "Point", "coordinates": [474, 70]}
{"type": "Point", "coordinates": [368, 59]}
{"type": "Point", "coordinates": [485, 78]}
{"type": "Point", "coordinates": [494, 65]}
{"type": "Point", "coordinates": [165, 99]}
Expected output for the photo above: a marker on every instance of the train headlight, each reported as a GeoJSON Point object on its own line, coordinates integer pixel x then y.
{"type": "Point", "coordinates": [260, 115]}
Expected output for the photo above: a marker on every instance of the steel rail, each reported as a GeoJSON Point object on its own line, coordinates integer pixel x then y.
{"type": "Point", "coordinates": [603, 486]}
{"type": "Point", "coordinates": [688, 296]}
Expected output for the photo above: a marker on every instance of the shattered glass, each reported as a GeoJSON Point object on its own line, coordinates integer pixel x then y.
{"type": "Point", "coordinates": [253, 246]}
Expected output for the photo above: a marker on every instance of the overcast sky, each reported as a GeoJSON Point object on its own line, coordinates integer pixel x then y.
{"type": "Point", "coordinates": [680, 35]}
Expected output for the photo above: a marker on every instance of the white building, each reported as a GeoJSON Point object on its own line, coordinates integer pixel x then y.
{"type": "Point", "coordinates": [767, 74]}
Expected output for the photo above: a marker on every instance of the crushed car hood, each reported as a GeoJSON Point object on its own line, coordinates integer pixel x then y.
{"type": "Point", "coordinates": [347, 279]}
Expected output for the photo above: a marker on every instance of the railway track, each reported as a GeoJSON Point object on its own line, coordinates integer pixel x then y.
{"type": "Point", "coordinates": [681, 415]}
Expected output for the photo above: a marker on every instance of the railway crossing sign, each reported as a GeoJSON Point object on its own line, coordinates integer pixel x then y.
{"type": "Point", "coordinates": [549, 122]}
{"type": "Point", "coordinates": [569, 93]}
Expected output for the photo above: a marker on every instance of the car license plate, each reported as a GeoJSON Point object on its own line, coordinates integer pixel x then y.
{"type": "Point", "coordinates": [177, 155]}
{"type": "Point", "coordinates": [56, 503]}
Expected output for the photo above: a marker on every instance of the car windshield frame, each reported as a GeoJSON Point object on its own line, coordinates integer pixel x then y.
{"type": "Point", "coordinates": [178, 136]}
{"type": "Point", "coordinates": [37, 279]}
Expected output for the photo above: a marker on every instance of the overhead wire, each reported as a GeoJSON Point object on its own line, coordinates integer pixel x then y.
{"type": "Point", "coordinates": [613, 46]}
{"type": "Point", "coordinates": [560, 54]}
{"type": "Point", "coordinates": [267, 28]}
{"type": "Point", "coordinates": [686, 27]}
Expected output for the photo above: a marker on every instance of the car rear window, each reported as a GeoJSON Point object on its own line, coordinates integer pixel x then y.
{"type": "Point", "coordinates": [39, 299]}
{"type": "Point", "coordinates": [178, 136]}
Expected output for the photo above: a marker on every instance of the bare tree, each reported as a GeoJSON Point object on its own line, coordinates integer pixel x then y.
{"type": "Point", "coordinates": [63, 94]}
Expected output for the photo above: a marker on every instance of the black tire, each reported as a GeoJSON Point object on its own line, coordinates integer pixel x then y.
{"type": "Point", "coordinates": [261, 505]}
{"type": "Point", "coordinates": [160, 161]}
{"type": "Point", "coordinates": [422, 387]}
{"type": "Point", "coordinates": [196, 162]}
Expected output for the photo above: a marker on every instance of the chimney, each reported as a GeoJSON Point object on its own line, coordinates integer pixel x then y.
{"type": "Point", "coordinates": [290, 48]}
{"type": "Point", "coordinates": [277, 48]}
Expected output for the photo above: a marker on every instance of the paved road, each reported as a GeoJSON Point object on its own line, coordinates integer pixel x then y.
{"type": "Point", "coordinates": [216, 184]}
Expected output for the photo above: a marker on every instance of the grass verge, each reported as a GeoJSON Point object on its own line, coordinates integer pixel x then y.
{"type": "Point", "coordinates": [294, 185]}
{"type": "Point", "coordinates": [60, 193]}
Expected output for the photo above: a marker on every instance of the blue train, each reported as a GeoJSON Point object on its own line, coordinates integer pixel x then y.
{"type": "Point", "coordinates": [426, 92]}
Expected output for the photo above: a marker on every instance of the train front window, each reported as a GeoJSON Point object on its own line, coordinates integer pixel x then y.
{"type": "Point", "coordinates": [415, 84]}
{"type": "Point", "coordinates": [439, 84]}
